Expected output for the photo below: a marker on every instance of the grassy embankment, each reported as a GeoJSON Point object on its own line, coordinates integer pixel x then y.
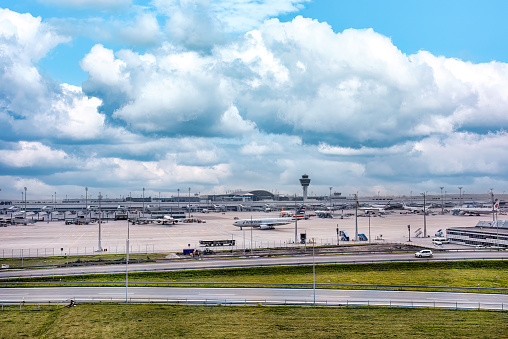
{"type": "Point", "coordinates": [38, 262]}
{"type": "Point", "coordinates": [485, 274]}
{"type": "Point", "coordinates": [166, 321]}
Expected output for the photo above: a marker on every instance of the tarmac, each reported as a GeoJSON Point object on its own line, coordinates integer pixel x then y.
{"type": "Point", "coordinates": [56, 238]}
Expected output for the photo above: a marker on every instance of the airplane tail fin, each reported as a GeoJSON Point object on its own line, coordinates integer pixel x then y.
{"type": "Point", "coordinates": [496, 205]}
{"type": "Point", "coordinates": [300, 213]}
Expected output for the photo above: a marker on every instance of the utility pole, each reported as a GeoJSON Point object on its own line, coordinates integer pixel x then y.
{"type": "Point", "coordinates": [356, 216]}
{"type": "Point", "coordinates": [424, 217]}
{"type": "Point", "coordinates": [86, 204]}
{"type": "Point", "coordinates": [100, 215]}
{"type": "Point", "coordinates": [442, 203]}
{"type": "Point", "coordinates": [331, 198]}
{"type": "Point", "coordinates": [25, 204]}
{"type": "Point", "coordinates": [143, 211]}
{"type": "Point", "coordinates": [296, 223]}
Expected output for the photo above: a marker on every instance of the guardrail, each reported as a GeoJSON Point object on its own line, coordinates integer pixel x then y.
{"type": "Point", "coordinates": [120, 269]}
{"type": "Point", "coordinates": [267, 302]}
{"type": "Point", "coordinates": [246, 284]}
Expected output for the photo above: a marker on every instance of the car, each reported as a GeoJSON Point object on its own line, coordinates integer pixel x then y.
{"type": "Point", "coordinates": [423, 253]}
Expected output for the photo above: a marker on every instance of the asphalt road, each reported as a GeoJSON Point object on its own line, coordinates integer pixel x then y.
{"type": "Point", "coordinates": [242, 296]}
{"type": "Point", "coordinates": [252, 262]}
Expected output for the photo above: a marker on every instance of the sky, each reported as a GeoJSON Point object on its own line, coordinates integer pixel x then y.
{"type": "Point", "coordinates": [370, 97]}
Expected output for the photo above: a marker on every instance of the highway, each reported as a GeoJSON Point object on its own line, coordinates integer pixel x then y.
{"type": "Point", "coordinates": [253, 262]}
{"type": "Point", "coordinates": [267, 296]}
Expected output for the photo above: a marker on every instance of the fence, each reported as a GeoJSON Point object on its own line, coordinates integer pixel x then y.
{"type": "Point", "coordinates": [266, 302]}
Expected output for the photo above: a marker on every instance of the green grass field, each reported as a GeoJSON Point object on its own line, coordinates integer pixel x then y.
{"type": "Point", "coordinates": [161, 321]}
{"type": "Point", "coordinates": [489, 274]}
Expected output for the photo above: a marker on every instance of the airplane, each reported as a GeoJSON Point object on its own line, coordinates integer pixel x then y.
{"type": "Point", "coordinates": [415, 209]}
{"type": "Point", "coordinates": [270, 223]}
{"type": "Point", "coordinates": [475, 210]}
{"type": "Point", "coordinates": [165, 220]}
{"type": "Point", "coordinates": [375, 208]}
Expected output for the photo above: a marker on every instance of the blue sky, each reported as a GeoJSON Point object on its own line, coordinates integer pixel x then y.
{"type": "Point", "coordinates": [365, 96]}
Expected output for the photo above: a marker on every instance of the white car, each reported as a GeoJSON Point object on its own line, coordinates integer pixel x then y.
{"type": "Point", "coordinates": [423, 253]}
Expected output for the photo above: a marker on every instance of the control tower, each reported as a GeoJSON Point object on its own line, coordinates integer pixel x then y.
{"type": "Point", "coordinates": [305, 182]}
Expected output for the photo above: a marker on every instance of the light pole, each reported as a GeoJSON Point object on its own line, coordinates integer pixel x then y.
{"type": "Point", "coordinates": [25, 203]}
{"type": "Point", "coordinates": [424, 217]}
{"type": "Point", "coordinates": [296, 223]}
{"type": "Point", "coordinates": [409, 233]}
{"type": "Point", "coordinates": [143, 211]}
{"type": "Point", "coordinates": [178, 199]}
{"type": "Point", "coordinates": [313, 272]}
{"type": "Point", "coordinates": [331, 198]}
{"type": "Point", "coordinates": [491, 198]}
{"type": "Point", "coordinates": [460, 195]}
{"type": "Point", "coordinates": [442, 206]}
{"type": "Point", "coordinates": [127, 261]}
{"type": "Point", "coordinates": [369, 228]}
{"type": "Point", "coordinates": [189, 203]}
{"type": "Point", "coordinates": [356, 217]}
{"type": "Point", "coordinates": [100, 215]}
{"type": "Point", "coordinates": [86, 204]}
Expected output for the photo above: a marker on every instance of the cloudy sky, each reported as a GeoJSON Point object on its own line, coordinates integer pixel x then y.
{"type": "Point", "coordinates": [365, 96]}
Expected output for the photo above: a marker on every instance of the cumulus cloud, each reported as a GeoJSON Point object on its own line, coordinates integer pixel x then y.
{"type": "Point", "coordinates": [144, 31]}
{"type": "Point", "coordinates": [250, 109]}
{"type": "Point", "coordinates": [28, 154]}
{"type": "Point", "coordinates": [223, 15]}
{"type": "Point", "coordinates": [92, 4]}
{"type": "Point", "coordinates": [171, 92]}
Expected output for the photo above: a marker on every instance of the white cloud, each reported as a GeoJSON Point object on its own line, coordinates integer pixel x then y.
{"type": "Point", "coordinates": [233, 124]}
{"type": "Point", "coordinates": [364, 151]}
{"type": "Point", "coordinates": [143, 31]}
{"type": "Point", "coordinates": [96, 4]}
{"type": "Point", "coordinates": [231, 15]}
{"type": "Point", "coordinates": [33, 154]}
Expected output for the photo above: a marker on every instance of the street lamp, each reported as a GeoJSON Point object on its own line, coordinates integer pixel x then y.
{"type": "Point", "coordinates": [86, 203]}
{"type": "Point", "coordinates": [442, 206]}
{"type": "Point", "coordinates": [356, 216]}
{"type": "Point", "coordinates": [25, 203]}
{"type": "Point", "coordinates": [313, 272]}
{"type": "Point", "coordinates": [143, 211]}
{"type": "Point", "coordinates": [424, 216]}
{"type": "Point", "coordinates": [100, 220]}
{"type": "Point", "coordinates": [331, 198]}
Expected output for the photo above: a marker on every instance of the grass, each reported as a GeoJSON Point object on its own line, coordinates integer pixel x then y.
{"type": "Point", "coordinates": [34, 262]}
{"type": "Point", "coordinates": [167, 321]}
{"type": "Point", "coordinates": [488, 274]}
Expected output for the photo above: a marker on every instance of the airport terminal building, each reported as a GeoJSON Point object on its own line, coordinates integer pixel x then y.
{"type": "Point", "coordinates": [485, 233]}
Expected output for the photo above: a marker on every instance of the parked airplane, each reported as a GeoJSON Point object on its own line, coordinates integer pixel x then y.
{"type": "Point", "coordinates": [270, 223]}
{"type": "Point", "coordinates": [415, 209]}
{"type": "Point", "coordinates": [475, 210]}
{"type": "Point", "coordinates": [375, 208]}
{"type": "Point", "coordinates": [165, 220]}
